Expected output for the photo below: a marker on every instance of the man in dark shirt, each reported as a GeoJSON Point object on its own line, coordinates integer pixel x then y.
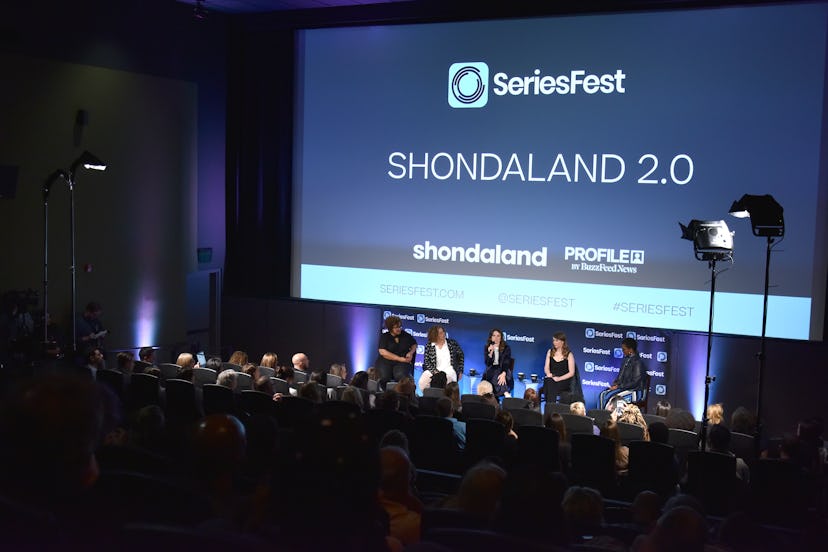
{"type": "Point", "coordinates": [396, 352]}
{"type": "Point", "coordinates": [630, 377]}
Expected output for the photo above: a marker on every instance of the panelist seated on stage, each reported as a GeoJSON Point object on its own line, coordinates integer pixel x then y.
{"type": "Point", "coordinates": [629, 383]}
{"type": "Point", "coordinates": [498, 358]}
{"type": "Point", "coordinates": [396, 352]}
{"type": "Point", "coordinates": [442, 354]}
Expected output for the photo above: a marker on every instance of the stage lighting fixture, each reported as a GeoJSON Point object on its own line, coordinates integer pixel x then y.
{"type": "Point", "coordinates": [712, 239]}
{"type": "Point", "coordinates": [765, 214]}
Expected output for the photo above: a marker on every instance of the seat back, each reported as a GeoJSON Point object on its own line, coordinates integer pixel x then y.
{"type": "Point", "coordinates": [280, 386]}
{"type": "Point", "coordinates": [142, 391]}
{"type": "Point", "coordinates": [202, 376]}
{"type": "Point", "coordinates": [140, 366]}
{"type": "Point", "coordinates": [515, 403]}
{"type": "Point", "coordinates": [378, 422]}
{"type": "Point", "coordinates": [339, 411]}
{"type": "Point", "coordinates": [294, 411]}
{"type": "Point", "coordinates": [428, 404]}
{"type": "Point", "coordinates": [218, 399]}
{"type": "Point", "coordinates": [600, 415]}
{"type": "Point", "coordinates": [256, 402]}
{"type": "Point", "coordinates": [484, 437]}
{"type": "Point", "coordinates": [332, 380]}
{"type": "Point", "coordinates": [300, 377]}
{"type": "Point", "coordinates": [433, 392]}
{"type": "Point", "coordinates": [470, 397]}
{"type": "Point", "coordinates": [433, 445]}
{"type": "Point", "coordinates": [630, 432]}
{"type": "Point", "coordinates": [527, 417]}
{"type": "Point", "coordinates": [112, 379]}
{"type": "Point", "coordinates": [560, 408]}
{"type": "Point", "coordinates": [266, 371]}
{"type": "Point", "coordinates": [652, 418]}
{"type": "Point", "coordinates": [231, 366]}
{"type": "Point", "coordinates": [244, 382]}
{"type": "Point", "coordinates": [181, 399]}
{"type": "Point", "coordinates": [644, 396]}
{"type": "Point", "coordinates": [578, 424]}
{"type": "Point", "coordinates": [168, 371]}
{"type": "Point", "coordinates": [743, 446]}
{"type": "Point", "coordinates": [593, 462]}
{"type": "Point", "coordinates": [711, 477]}
{"type": "Point", "coordinates": [479, 410]}
{"type": "Point", "coordinates": [538, 446]}
{"type": "Point", "coordinates": [652, 467]}
{"type": "Point", "coordinates": [372, 386]}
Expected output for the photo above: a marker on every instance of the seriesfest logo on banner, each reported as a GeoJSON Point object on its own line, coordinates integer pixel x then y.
{"type": "Point", "coordinates": [468, 84]}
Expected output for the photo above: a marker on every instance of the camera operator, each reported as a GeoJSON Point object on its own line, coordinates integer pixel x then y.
{"type": "Point", "coordinates": [89, 330]}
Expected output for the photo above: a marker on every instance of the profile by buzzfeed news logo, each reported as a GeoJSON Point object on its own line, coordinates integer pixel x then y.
{"type": "Point", "coordinates": [468, 84]}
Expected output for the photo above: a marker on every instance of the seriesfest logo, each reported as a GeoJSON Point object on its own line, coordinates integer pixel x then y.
{"type": "Point", "coordinates": [468, 84]}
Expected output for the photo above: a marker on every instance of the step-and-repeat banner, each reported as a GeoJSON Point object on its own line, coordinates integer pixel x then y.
{"type": "Point", "coordinates": [597, 347]}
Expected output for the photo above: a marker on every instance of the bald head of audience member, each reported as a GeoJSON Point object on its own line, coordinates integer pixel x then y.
{"type": "Point", "coordinates": [300, 361]}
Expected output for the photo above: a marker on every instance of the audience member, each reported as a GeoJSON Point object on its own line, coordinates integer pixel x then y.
{"type": "Point", "coordinates": [395, 438]}
{"type": "Point", "coordinates": [715, 414]}
{"type": "Point", "coordinates": [718, 440]}
{"type": "Point", "coordinates": [263, 385]}
{"type": "Point", "coordinates": [310, 391]}
{"type": "Point", "coordinates": [663, 408]}
{"type": "Point", "coordinates": [484, 387]}
{"type": "Point", "coordinates": [679, 529]}
{"type": "Point", "coordinates": [95, 361]}
{"type": "Point", "coordinates": [373, 373]}
{"type": "Point", "coordinates": [445, 409]}
{"type": "Point", "coordinates": [396, 498]}
{"type": "Point", "coordinates": [632, 415]}
{"type": "Point", "coordinates": [555, 421]}
{"type": "Point", "coordinates": [532, 396]}
{"type": "Point", "coordinates": [147, 354]}
{"type": "Point", "coordinates": [251, 370]}
{"type": "Point", "coordinates": [489, 398]}
{"type": "Point", "coordinates": [742, 421]}
{"type": "Point", "coordinates": [239, 358]}
{"type": "Point", "coordinates": [214, 363]}
{"type": "Point", "coordinates": [583, 509]}
{"type": "Point", "coordinates": [645, 510]}
{"type": "Point", "coordinates": [125, 361]}
{"type": "Point", "coordinates": [360, 380]}
{"type": "Point", "coordinates": [680, 419]}
{"type": "Point", "coordinates": [622, 454]}
{"type": "Point", "coordinates": [300, 362]}
{"type": "Point", "coordinates": [506, 419]}
{"type": "Point", "coordinates": [186, 360]}
{"type": "Point", "coordinates": [480, 490]}
{"type": "Point", "coordinates": [270, 360]}
{"type": "Point", "coordinates": [340, 370]}
{"type": "Point", "coordinates": [452, 391]}
{"type": "Point", "coordinates": [352, 395]}
{"type": "Point", "coordinates": [577, 408]}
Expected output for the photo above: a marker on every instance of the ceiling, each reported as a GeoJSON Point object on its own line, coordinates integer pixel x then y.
{"type": "Point", "coordinates": [264, 6]}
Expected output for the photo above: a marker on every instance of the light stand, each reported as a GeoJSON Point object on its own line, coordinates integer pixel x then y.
{"type": "Point", "coordinates": [766, 219]}
{"type": "Point", "coordinates": [47, 186]}
{"type": "Point", "coordinates": [87, 161]}
{"type": "Point", "coordinates": [712, 241]}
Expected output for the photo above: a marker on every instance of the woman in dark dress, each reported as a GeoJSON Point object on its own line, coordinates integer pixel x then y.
{"type": "Point", "coordinates": [559, 369]}
{"type": "Point", "coordinates": [498, 356]}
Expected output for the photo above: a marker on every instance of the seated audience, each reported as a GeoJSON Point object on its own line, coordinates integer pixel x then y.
{"type": "Point", "coordinates": [373, 373]}
{"type": "Point", "coordinates": [680, 419]}
{"type": "Point", "coordinates": [228, 379]}
{"type": "Point", "coordinates": [715, 414]}
{"type": "Point", "coordinates": [339, 370]}
{"type": "Point", "coordinates": [532, 396]}
{"type": "Point", "coordinates": [555, 421]}
{"type": "Point", "coordinates": [579, 409]}
{"type": "Point", "coordinates": [583, 510]}
{"type": "Point", "coordinates": [360, 380]}
{"type": "Point", "coordinates": [352, 395]}
{"type": "Point", "coordinates": [742, 421]}
{"type": "Point", "coordinates": [484, 387]}
{"type": "Point", "coordinates": [659, 433]}
{"type": "Point", "coordinates": [95, 361]}
{"type": "Point", "coordinates": [270, 360]}
{"type": "Point", "coordinates": [251, 370]}
{"type": "Point", "coordinates": [506, 420]}
{"type": "Point", "coordinates": [186, 362]}
{"type": "Point", "coordinates": [663, 408]}
{"type": "Point", "coordinates": [147, 354]}
{"type": "Point", "coordinates": [263, 385]}
{"type": "Point", "coordinates": [238, 358]}
{"type": "Point", "coordinates": [214, 363]}
{"type": "Point", "coordinates": [632, 415]}
{"type": "Point", "coordinates": [403, 508]}
{"type": "Point", "coordinates": [300, 362]}
{"type": "Point", "coordinates": [395, 438]}
{"type": "Point", "coordinates": [125, 362]}
{"type": "Point", "coordinates": [310, 391]}
{"type": "Point", "coordinates": [452, 391]}
{"type": "Point", "coordinates": [622, 454]}
{"type": "Point", "coordinates": [445, 409]}
{"type": "Point", "coordinates": [480, 490]}
{"type": "Point", "coordinates": [718, 440]}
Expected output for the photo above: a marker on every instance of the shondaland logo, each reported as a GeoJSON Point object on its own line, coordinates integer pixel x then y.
{"type": "Point", "coordinates": [468, 84]}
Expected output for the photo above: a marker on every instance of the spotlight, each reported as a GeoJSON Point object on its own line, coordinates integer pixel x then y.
{"type": "Point", "coordinates": [712, 239]}
{"type": "Point", "coordinates": [765, 214]}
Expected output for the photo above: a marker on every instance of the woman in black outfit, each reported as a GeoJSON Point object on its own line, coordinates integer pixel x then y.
{"type": "Point", "coordinates": [559, 369]}
{"type": "Point", "coordinates": [498, 356]}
